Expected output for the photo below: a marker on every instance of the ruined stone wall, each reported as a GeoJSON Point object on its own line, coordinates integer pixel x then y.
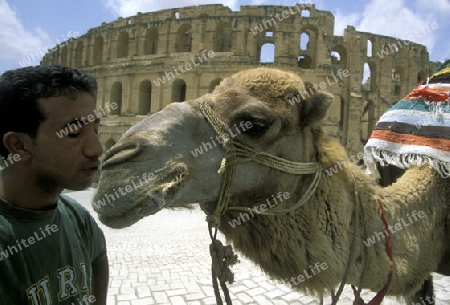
{"type": "Point", "coordinates": [147, 61]}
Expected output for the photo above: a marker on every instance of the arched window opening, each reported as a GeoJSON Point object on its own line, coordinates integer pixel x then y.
{"type": "Point", "coordinates": [179, 91]}
{"type": "Point", "coordinates": [304, 62]}
{"type": "Point", "coordinates": [151, 41]}
{"type": "Point", "coordinates": [184, 39]}
{"type": "Point", "coordinates": [116, 98]}
{"type": "Point", "coordinates": [145, 97]}
{"type": "Point", "coordinates": [369, 48]}
{"type": "Point", "coordinates": [122, 45]}
{"type": "Point", "coordinates": [223, 37]}
{"type": "Point", "coordinates": [335, 58]}
{"type": "Point", "coordinates": [98, 50]}
{"type": "Point", "coordinates": [339, 56]}
{"type": "Point", "coordinates": [267, 53]}
{"type": "Point", "coordinates": [304, 41]}
{"type": "Point", "coordinates": [421, 77]}
{"type": "Point", "coordinates": [366, 79]}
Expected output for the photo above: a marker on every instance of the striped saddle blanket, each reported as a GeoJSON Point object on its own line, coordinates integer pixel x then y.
{"type": "Point", "coordinates": [415, 131]}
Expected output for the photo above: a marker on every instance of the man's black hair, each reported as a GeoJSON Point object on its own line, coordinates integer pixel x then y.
{"type": "Point", "coordinates": [21, 89]}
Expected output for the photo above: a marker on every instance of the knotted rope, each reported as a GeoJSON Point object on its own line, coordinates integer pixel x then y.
{"type": "Point", "coordinates": [222, 258]}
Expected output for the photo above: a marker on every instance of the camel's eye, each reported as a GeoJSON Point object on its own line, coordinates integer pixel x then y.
{"type": "Point", "coordinates": [257, 128]}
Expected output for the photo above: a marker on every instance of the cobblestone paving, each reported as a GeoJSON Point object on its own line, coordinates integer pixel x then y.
{"type": "Point", "coordinates": [164, 259]}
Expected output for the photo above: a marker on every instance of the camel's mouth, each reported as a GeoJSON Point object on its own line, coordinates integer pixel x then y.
{"type": "Point", "coordinates": [121, 205]}
{"type": "Point", "coordinates": [132, 215]}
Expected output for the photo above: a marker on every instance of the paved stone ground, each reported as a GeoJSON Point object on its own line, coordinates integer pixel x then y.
{"type": "Point", "coordinates": [164, 259]}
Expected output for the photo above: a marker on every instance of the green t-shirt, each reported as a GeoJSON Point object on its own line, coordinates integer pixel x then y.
{"type": "Point", "coordinates": [46, 256]}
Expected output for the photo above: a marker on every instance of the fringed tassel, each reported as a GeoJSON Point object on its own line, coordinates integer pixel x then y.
{"type": "Point", "coordinates": [373, 155]}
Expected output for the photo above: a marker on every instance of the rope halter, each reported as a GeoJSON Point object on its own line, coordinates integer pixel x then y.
{"type": "Point", "coordinates": [237, 152]}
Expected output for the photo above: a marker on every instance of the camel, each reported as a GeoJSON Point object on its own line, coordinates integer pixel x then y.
{"type": "Point", "coordinates": [299, 224]}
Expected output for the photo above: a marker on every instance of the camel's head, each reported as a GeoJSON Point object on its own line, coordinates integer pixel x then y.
{"type": "Point", "coordinates": [172, 157]}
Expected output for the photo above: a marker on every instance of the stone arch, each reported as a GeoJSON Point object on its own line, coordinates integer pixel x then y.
{"type": "Point", "coordinates": [109, 143]}
{"type": "Point", "coordinates": [309, 47]}
{"type": "Point", "coordinates": [122, 45]}
{"type": "Point", "coordinates": [145, 97]}
{"type": "Point", "coordinates": [116, 97]}
{"type": "Point", "coordinates": [98, 50]}
{"type": "Point", "coordinates": [151, 41]}
{"type": "Point", "coordinates": [342, 59]}
{"type": "Point", "coordinates": [421, 76]}
{"type": "Point", "coordinates": [63, 51]}
{"type": "Point", "coordinates": [223, 37]}
{"type": "Point", "coordinates": [179, 90]}
{"type": "Point", "coordinates": [304, 61]}
{"type": "Point", "coordinates": [79, 55]}
{"type": "Point", "coordinates": [267, 53]}
{"type": "Point", "coordinates": [213, 84]}
{"type": "Point", "coordinates": [183, 42]}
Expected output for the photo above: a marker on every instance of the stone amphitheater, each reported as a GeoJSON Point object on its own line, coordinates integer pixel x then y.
{"type": "Point", "coordinates": [149, 60]}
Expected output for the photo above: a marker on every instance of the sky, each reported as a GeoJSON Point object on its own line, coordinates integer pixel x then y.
{"type": "Point", "coordinates": [29, 28]}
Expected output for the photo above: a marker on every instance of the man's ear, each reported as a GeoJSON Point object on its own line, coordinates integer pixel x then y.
{"type": "Point", "coordinates": [18, 143]}
{"type": "Point", "coordinates": [314, 109]}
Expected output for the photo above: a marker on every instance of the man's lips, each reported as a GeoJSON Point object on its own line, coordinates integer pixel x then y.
{"type": "Point", "coordinates": [91, 167]}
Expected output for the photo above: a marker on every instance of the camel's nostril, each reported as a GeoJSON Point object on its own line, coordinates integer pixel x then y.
{"type": "Point", "coordinates": [121, 152]}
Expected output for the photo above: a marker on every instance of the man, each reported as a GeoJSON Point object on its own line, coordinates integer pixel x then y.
{"type": "Point", "coordinates": [51, 249]}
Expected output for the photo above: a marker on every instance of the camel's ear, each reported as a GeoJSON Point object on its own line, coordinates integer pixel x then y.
{"type": "Point", "coordinates": [314, 109]}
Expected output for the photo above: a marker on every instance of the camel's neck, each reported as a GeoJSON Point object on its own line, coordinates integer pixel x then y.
{"type": "Point", "coordinates": [318, 238]}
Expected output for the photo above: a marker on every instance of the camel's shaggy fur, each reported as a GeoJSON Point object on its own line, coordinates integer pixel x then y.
{"type": "Point", "coordinates": [321, 231]}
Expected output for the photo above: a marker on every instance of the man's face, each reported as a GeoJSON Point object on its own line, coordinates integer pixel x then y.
{"type": "Point", "coordinates": [63, 157]}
